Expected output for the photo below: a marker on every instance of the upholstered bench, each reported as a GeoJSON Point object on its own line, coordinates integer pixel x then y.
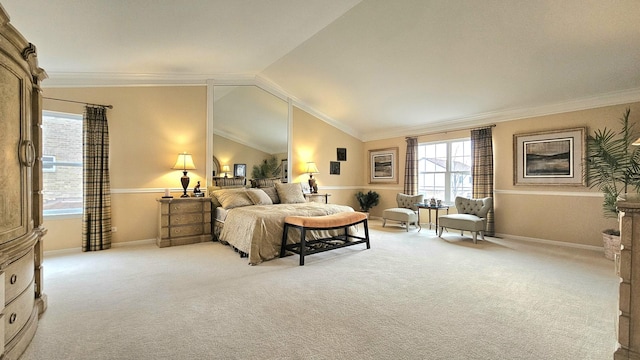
{"type": "Point", "coordinates": [342, 220]}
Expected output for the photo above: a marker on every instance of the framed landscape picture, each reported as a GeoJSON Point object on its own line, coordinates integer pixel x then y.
{"type": "Point", "coordinates": [383, 166]}
{"type": "Point", "coordinates": [550, 157]}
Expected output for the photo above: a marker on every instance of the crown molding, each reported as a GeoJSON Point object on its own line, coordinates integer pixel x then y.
{"type": "Point", "coordinates": [76, 79]}
{"type": "Point", "coordinates": [482, 119]}
{"type": "Point", "coordinates": [244, 142]}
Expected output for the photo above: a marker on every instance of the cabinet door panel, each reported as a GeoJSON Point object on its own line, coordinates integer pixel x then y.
{"type": "Point", "coordinates": [14, 176]}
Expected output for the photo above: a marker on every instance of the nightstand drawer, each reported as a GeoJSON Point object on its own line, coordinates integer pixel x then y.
{"type": "Point", "coordinates": [17, 313]}
{"type": "Point", "coordinates": [18, 275]}
{"type": "Point", "coordinates": [186, 219]}
{"type": "Point", "coordinates": [186, 206]}
{"type": "Point", "coordinates": [187, 230]}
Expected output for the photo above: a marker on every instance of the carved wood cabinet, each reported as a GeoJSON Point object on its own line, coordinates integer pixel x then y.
{"type": "Point", "coordinates": [21, 230]}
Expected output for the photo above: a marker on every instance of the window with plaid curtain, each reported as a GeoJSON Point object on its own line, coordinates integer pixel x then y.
{"type": "Point", "coordinates": [96, 218]}
{"type": "Point", "coordinates": [482, 169]}
{"type": "Point", "coordinates": [411, 167]}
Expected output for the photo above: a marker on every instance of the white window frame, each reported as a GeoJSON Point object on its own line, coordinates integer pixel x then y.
{"type": "Point", "coordinates": [448, 172]}
{"type": "Point", "coordinates": [48, 159]}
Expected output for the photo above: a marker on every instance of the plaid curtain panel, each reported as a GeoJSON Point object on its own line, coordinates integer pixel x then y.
{"type": "Point", "coordinates": [411, 167]}
{"type": "Point", "coordinates": [482, 169]}
{"type": "Point", "coordinates": [96, 217]}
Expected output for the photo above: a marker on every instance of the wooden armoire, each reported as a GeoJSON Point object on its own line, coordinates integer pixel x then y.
{"type": "Point", "coordinates": [21, 298]}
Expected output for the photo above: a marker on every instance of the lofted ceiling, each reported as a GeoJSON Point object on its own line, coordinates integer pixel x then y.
{"type": "Point", "coordinates": [374, 68]}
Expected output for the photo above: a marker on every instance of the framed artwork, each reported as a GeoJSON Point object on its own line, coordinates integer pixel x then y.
{"type": "Point", "coordinates": [550, 157]}
{"type": "Point", "coordinates": [334, 168]}
{"type": "Point", "coordinates": [342, 154]}
{"type": "Point", "coordinates": [383, 166]}
{"type": "Point", "coordinates": [239, 170]}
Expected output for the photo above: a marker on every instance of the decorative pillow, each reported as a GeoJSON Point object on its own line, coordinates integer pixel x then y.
{"type": "Point", "coordinates": [290, 193]}
{"type": "Point", "coordinates": [259, 197]}
{"type": "Point", "coordinates": [272, 193]}
{"type": "Point", "coordinates": [213, 192]}
{"type": "Point", "coordinates": [232, 198]}
{"type": "Point", "coordinates": [264, 183]}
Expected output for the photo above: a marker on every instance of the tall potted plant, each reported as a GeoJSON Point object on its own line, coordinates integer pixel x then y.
{"type": "Point", "coordinates": [613, 167]}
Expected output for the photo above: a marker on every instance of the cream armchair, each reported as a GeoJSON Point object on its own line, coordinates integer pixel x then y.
{"type": "Point", "coordinates": [471, 216]}
{"type": "Point", "coordinates": [406, 212]}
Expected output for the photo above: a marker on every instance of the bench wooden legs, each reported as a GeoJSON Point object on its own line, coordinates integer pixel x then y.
{"type": "Point", "coordinates": [307, 247]}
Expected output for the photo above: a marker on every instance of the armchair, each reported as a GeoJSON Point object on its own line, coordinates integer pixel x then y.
{"type": "Point", "coordinates": [471, 216]}
{"type": "Point", "coordinates": [406, 212]}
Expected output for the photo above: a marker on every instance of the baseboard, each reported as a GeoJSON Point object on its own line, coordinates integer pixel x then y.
{"type": "Point", "coordinates": [549, 242]}
{"type": "Point", "coordinates": [113, 245]}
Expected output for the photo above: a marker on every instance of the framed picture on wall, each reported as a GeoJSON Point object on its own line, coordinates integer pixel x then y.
{"type": "Point", "coordinates": [383, 166]}
{"type": "Point", "coordinates": [342, 154]}
{"type": "Point", "coordinates": [239, 170]}
{"type": "Point", "coordinates": [550, 158]}
{"type": "Point", "coordinates": [334, 168]}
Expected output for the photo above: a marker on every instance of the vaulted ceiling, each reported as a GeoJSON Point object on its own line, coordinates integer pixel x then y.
{"type": "Point", "coordinates": [375, 68]}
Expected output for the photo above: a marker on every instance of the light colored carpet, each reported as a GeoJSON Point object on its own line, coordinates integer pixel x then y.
{"type": "Point", "coordinates": [411, 296]}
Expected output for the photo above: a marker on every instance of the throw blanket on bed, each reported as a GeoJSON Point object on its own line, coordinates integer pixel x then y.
{"type": "Point", "coordinates": [257, 230]}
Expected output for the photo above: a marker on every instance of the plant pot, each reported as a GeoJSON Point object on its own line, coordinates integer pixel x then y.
{"type": "Point", "coordinates": [611, 245]}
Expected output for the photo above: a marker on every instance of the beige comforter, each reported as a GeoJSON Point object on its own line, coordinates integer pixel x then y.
{"type": "Point", "coordinates": [257, 230]}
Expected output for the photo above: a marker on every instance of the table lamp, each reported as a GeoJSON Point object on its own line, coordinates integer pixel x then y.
{"type": "Point", "coordinates": [312, 169]}
{"type": "Point", "coordinates": [225, 170]}
{"type": "Point", "coordinates": [184, 163]}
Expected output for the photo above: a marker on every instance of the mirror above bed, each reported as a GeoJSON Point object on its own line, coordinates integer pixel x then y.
{"type": "Point", "coordinates": [249, 126]}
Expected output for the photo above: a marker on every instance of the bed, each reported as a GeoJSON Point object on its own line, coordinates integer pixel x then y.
{"type": "Point", "coordinates": [251, 220]}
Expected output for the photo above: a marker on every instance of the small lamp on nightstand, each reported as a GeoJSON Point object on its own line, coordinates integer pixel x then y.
{"type": "Point", "coordinates": [226, 170]}
{"type": "Point", "coordinates": [184, 163]}
{"type": "Point", "coordinates": [312, 169]}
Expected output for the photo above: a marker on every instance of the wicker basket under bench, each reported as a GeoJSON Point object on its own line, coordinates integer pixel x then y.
{"type": "Point", "coordinates": [327, 222]}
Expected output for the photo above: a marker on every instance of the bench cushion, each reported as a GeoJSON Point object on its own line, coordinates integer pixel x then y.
{"type": "Point", "coordinates": [326, 221]}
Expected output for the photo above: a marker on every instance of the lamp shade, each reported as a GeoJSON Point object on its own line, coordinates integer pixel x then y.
{"type": "Point", "coordinates": [225, 168]}
{"type": "Point", "coordinates": [312, 168]}
{"type": "Point", "coordinates": [184, 162]}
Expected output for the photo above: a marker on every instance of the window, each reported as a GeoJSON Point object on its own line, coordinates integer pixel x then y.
{"type": "Point", "coordinates": [62, 163]}
{"type": "Point", "coordinates": [444, 170]}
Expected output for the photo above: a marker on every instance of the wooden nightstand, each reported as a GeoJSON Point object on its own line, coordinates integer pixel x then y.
{"type": "Point", "coordinates": [317, 197]}
{"type": "Point", "coordinates": [183, 221]}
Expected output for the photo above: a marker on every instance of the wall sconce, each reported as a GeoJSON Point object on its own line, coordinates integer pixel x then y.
{"type": "Point", "coordinates": [312, 169]}
{"type": "Point", "coordinates": [184, 163]}
{"type": "Point", "coordinates": [225, 170]}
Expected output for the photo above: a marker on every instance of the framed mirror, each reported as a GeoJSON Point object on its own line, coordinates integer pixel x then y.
{"type": "Point", "coordinates": [250, 125]}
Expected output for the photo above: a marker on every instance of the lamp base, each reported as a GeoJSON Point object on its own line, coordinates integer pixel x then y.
{"type": "Point", "coordinates": [313, 187]}
{"type": "Point", "coordinates": [185, 184]}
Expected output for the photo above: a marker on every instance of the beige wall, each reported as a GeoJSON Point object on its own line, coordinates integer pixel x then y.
{"type": "Point", "coordinates": [315, 140]}
{"type": "Point", "coordinates": [560, 213]}
{"type": "Point", "coordinates": [229, 152]}
{"type": "Point", "coordinates": [149, 126]}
